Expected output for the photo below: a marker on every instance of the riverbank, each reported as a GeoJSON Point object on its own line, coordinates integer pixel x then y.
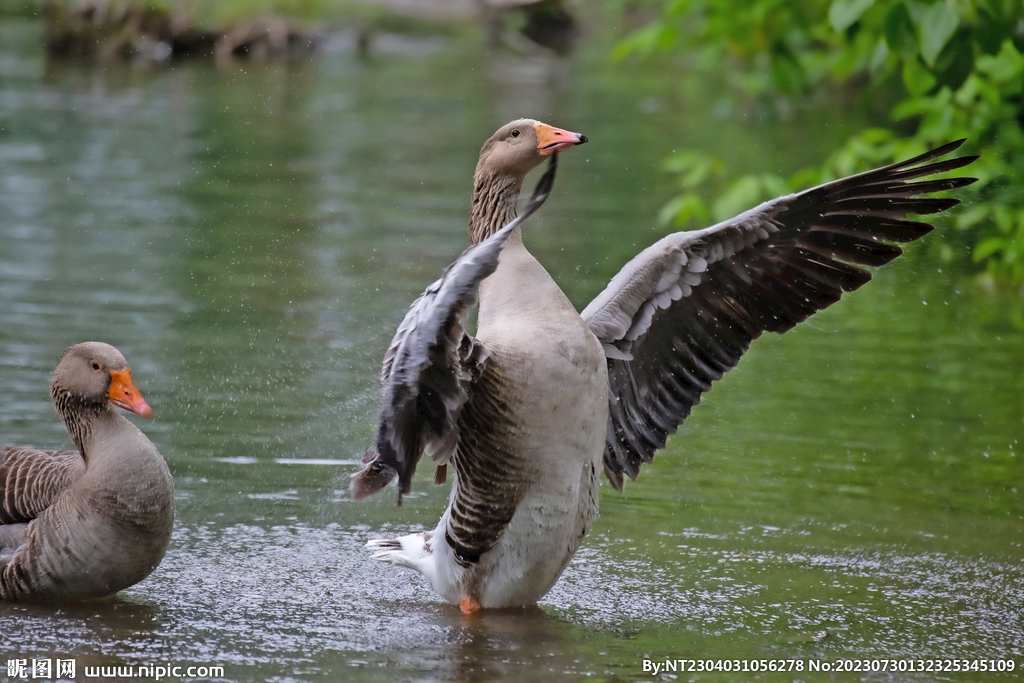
{"type": "Point", "coordinates": [173, 29]}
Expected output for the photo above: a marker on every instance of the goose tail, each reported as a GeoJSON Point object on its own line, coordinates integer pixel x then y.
{"type": "Point", "coordinates": [412, 551]}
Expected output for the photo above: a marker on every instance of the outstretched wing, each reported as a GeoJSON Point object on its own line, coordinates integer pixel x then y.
{"type": "Point", "coordinates": [431, 364]}
{"type": "Point", "coordinates": [683, 312]}
{"type": "Point", "coordinates": [30, 480]}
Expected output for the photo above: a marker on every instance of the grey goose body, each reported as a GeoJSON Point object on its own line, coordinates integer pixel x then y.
{"type": "Point", "coordinates": [530, 408]}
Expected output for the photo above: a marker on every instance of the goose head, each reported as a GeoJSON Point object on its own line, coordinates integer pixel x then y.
{"type": "Point", "coordinates": [505, 159]}
{"type": "Point", "coordinates": [518, 147]}
{"type": "Point", "coordinates": [94, 375]}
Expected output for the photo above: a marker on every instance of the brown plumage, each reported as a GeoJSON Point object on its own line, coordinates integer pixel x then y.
{"type": "Point", "coordinates": [81, 525]}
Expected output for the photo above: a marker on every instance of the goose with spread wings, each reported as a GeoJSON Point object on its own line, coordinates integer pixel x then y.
{"type": "Point", "coordinates": [529, 410]}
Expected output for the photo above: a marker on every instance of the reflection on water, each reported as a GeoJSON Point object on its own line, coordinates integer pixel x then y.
{"type": "Point", "coordinates": [251, 237]}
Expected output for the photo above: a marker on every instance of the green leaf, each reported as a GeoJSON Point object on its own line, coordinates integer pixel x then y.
{"type": "Point", "coordinates": [808, 177]}
{"type": "Point", "coordinates": [935, 25]}
{"type": "Point", "coordinates": [917, 78]}
{"type": "Point", "coordinates": [786, 72]}
{"type": "Point", "coordinates": [968, 92]}
{"type": "Point", "coordinates": [774, 186]}
{"type": "Point", "coordinates": [1005, 66]}
{"type": "Point", "coordinates": [879, 57]}
{"type": "Point", "coordinates": [646, 41]}
{"type": "Point", "coordinates": [678, 8]}
{"type": "Point", "coordinates": [1005, 218]}
{"type": "Point", "coordinates": [683, 209]}
{"type": "Point", "coordinates": [914, 106]}
{"type": "Point", "coordinates": [743, 194]}
{"type": "Point", "coordinates": [842, 14]}
{"type": "Point", "coordinates": [987, 247]}
{"type": "Point", "coordinates": [899, 32]}
{"type": "Point", "coordinates": [972, 216]}
{"type": "Point", "coordinates": [695, 177]}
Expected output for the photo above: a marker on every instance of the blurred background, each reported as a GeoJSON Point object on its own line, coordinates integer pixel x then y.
{"type": "Point", "coordinates": [245, 197]}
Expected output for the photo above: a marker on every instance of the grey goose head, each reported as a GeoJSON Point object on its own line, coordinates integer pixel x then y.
{"type": "Point", "coordinates": [94, 375]}
{"type": "Point", "coordinates": [518, 147]}
{"type": "Point", "coordinates": [505, 159]}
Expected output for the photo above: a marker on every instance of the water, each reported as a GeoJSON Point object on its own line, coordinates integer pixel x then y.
{"type": "Point", "coordinates": [250, 237]}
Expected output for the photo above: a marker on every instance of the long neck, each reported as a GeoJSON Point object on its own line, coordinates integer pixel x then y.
{"type": "Point", "coordinates": [494, 203]}
{"type": "Point", "coordinates": [79, 415]}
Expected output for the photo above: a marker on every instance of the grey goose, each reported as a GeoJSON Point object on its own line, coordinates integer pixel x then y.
{"type": "Point", "coordinates": [84, 524]}
{"type": "Point", "coordinates": [531, 408]}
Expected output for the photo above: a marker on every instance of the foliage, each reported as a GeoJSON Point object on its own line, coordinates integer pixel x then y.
{"type": "Point", "coordinates": [956, 67]}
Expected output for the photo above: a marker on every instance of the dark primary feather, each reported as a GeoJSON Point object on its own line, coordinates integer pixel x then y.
{"type": "Point", "coordinates": [683, 312]}
{"type": "Point", "coordinates": [430, 366]}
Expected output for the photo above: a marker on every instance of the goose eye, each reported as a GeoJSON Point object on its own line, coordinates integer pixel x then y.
{"type": "Point", "coordinates": [515, 133]}
{"type": "Point", "coordinates": [96, 366]}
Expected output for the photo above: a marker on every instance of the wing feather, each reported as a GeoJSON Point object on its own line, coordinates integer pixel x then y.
{"type": "Point", "coordinates": [30, 480]}
{"type": "Point", "coordinates": [681, 314]}
{"type": "Point", "coordinates": [432, 363]}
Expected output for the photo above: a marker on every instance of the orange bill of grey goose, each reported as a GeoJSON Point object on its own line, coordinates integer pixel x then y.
{"type": "Point", "coordinates": [84, 524]}
{"type": "Point", "coordinates": [530, 410]}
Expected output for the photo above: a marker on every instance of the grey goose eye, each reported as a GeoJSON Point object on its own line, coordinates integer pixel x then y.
{"type": "Point", "coordinates": [515, 133]}
{"type": "Point", "coordinates": [96, 365]}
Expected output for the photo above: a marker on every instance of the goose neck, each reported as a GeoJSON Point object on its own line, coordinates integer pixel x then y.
{"type": "Point", "coordinates": [493, 205]}
{"type": "Point", "coordinates": [79, 415]}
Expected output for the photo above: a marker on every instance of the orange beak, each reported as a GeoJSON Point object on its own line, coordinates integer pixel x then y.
{"type": "Point", "coordinates": [124, 394]}
{"type": "Point", "coordinates": [551, 139]}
